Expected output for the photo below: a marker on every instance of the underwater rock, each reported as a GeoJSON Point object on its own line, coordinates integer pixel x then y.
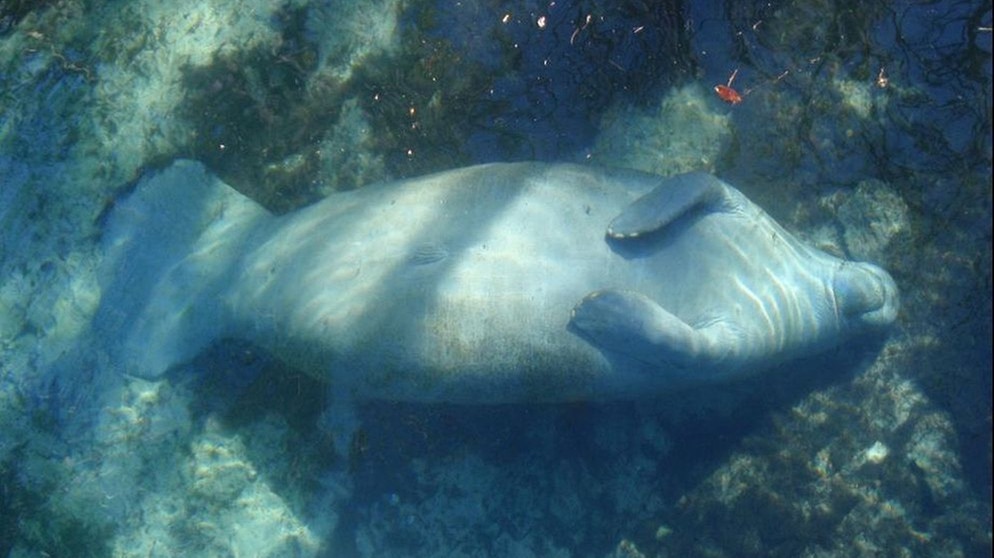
{"type": "Point", "coordinates": [871, 218]}
{"type": "Point", "coordinates": [684, 133]}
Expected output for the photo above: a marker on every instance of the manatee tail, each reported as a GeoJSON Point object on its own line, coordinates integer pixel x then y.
{"type": "Point", "coordinates": [169, 253]}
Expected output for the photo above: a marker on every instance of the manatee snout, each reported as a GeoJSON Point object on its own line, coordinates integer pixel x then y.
{"type": "Point", "coordinates": [866, 295]}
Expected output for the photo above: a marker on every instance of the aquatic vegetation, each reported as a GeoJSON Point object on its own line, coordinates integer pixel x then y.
{"type": "Point", "coordinates": [252, 114]}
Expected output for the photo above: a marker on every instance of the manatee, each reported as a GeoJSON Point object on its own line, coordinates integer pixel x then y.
{"type": "Point", "coordinates": [521, 282]}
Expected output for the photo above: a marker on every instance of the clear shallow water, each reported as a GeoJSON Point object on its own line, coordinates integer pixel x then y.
{"type": "Point", "coordinates": [874, 144]}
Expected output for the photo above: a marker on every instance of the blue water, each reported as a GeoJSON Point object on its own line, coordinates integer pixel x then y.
{"type": "Point", "coordinates": [865, 128]}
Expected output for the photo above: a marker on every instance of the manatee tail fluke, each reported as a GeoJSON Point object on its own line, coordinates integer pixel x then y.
{"type": "Point", "coordinates": [169, 250]}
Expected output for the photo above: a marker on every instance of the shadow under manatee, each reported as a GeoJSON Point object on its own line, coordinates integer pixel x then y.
{"type": "Point", "coordinates": [524, 452]}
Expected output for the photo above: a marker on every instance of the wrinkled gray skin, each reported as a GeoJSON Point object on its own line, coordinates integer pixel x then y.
{"type": "Point", "coordinates": [495, 283]}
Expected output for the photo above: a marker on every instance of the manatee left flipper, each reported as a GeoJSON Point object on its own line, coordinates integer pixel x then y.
{"type": "Point", "coordinates": [675, 197]}
{"type": "Point", "coordinates": [631, 324]}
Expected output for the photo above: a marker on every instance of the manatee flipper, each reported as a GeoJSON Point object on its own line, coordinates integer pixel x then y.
{"type": "Point", "coordinates": [675, 197]}
{"type": "Point", "coordinates": [632, 324]}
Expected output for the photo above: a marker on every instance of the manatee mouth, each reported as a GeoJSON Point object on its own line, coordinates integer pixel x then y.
{"type": "Point", "coordinates": [866, 293]}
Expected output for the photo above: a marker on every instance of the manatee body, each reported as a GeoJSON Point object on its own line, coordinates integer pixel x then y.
{"type": "Point", "coordinates": [494, 283]}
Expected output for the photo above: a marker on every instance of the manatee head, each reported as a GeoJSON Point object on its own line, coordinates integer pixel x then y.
{"type": "Point", "coordinates": [865, 295]}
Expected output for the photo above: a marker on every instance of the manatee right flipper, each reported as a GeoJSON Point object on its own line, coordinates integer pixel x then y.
{"type": "Point", "coordinates": [673, 198]}
{"type": "Point", "coordinates": [632, 324]}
